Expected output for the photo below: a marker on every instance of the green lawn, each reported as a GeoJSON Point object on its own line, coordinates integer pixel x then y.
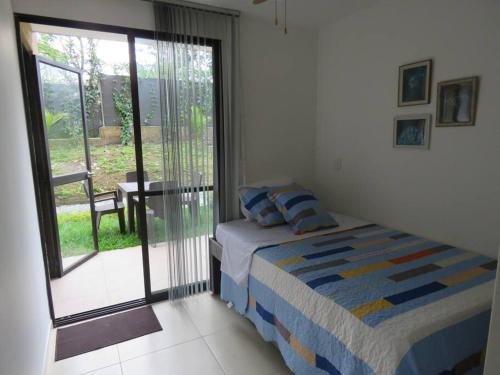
{"type": "Point", "coordinates": [75, 232]}
{"type": "Point", "coordinates": [109, 165]}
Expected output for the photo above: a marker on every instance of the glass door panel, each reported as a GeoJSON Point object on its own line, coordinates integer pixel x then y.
{"type": "Point", "coordinates": [63, 113]}
{"type": "Point", "coordinates": [73, 112]}
{"type": "Point", "coordinates": [196, 154]}
{"type": "Point", "coordinates": [152, 156]}
{"type": "Point", "coordinates": [63, 119]}
{"type": "Point", "coordinates": [74, 222]}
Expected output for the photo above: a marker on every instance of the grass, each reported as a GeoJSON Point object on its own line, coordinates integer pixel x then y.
{"type": "Point", "coordinates": [109, 165]}
{"type": "Point", "coordinates": [75, 232]}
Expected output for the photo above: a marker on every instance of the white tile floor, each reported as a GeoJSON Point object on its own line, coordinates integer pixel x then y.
{"type": "Point", "coordinates": [200, 336]}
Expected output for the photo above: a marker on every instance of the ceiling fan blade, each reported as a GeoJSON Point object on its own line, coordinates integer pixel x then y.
{"type": "Point", "coordinates": [257, 2]}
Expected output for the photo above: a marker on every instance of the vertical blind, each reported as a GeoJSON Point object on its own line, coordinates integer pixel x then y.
{"type": "Point", "coordinates": [198, 71]}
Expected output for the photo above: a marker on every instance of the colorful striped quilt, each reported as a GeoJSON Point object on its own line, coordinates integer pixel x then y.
{"type": "Point", "coordinates": [370, 300]}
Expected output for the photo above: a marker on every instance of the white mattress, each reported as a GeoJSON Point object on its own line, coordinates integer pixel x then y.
{"type": "Point", "coordinates": [241, 238]}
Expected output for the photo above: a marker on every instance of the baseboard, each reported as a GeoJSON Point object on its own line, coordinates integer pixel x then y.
{"type": "Point", "coordinates": [46, 359]}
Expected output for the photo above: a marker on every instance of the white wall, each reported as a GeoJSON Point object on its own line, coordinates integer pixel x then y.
{"type": "Point", "coordinates": [278, 82]}
{"type": "Point", "coordinates": [450, 193]}
{"type": "Point", "coordinates": [24, 314]}
{"type": "Point", "coordinates": [279, 101]}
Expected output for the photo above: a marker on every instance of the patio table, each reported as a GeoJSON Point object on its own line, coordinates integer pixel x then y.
{"type": "Point", "coordinates": [129, 190]}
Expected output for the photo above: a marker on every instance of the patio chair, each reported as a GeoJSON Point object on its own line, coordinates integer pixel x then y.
{"type": "Point", "coordinates": [192, 198]}
{"type": "Point", "coordinates": [106, 203]}
{"type": "Point", "coordinates": [155, 207]}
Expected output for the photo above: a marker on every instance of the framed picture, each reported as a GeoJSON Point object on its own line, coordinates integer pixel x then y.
{"type": "Point", "coordinates": [457, 101]}
{"type": "Point", "coordinates": [412, 131]}
{"type": "Point", "coordinates": [415, 83]}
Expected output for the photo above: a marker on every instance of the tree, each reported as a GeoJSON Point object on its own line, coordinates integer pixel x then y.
{"type": "Point", "coordinates": [70, 50]}
{"type": "Point", "coordinates": [75, 57]}
{"type": "Point", "coordinates": [92, 88]}
{"type": "Point", "coordinates": [123, 105]}
{"type": "Point", "coordinates": [46, 48]}
{"type": "Point", "coordinates": [52, 119]}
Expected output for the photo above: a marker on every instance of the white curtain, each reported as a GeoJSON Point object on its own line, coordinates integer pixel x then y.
{"type": "Point", "coordinates": [198, 61]}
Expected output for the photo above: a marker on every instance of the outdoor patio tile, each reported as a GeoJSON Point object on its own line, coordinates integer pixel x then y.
{"type": "Point", "coordinates": [86, 280]}
{"type": "Point", "coordinates": [75, 305]}
{"type": "Point", "coordinates": [119, 257]}
{"type": "Point", "coordinates": [126, 294]}
{"type": "Point", "coordinates": [85, 288]}
{"type": "Point", "coordinates": [117, 277]}
{"type": "Point", "coordinates": [108, 278]}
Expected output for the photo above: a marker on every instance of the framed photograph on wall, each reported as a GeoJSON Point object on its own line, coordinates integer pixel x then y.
{"type": "Point", "coordinates": [412, 131]}
{"type": "Point", "coordinates": [457, 102]}
{"type": "Point", "coordinates": [415, 83]}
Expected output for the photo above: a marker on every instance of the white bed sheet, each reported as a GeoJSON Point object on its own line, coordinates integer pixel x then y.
{"type": "Point", "coordinates": [241, 238]}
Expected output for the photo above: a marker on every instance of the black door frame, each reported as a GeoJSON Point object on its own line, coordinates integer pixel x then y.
{"type": "Point", "coordinates": [32, 113]}
{"type": "Point", "coordinates": [55, 261]}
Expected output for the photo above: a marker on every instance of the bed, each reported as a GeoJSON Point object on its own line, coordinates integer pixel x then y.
{"type": "Point", "coordinates": [359, 298]}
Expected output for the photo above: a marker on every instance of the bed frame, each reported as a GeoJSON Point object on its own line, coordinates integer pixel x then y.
{"type": "Point", "coordinates": [215, 253]}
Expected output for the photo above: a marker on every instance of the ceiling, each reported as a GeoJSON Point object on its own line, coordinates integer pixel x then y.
{"type": "Point", "coordinates": [77, 32]}
{"type": "Point", "coordinates": [310, 14]}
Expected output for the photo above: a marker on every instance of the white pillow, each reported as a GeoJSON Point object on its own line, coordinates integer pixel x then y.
{"type": "Point", "coordinates": [278, 181]}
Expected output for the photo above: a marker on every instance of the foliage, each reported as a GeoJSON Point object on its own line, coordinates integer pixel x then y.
{"type": "Point", "coordinates": [123, 106]}
{"type": "Point", "coordinates": [110, 163]}
{"type": "Point", "coordinates": [75, 54]}
{"type": "Point", "coordinates": [46, 48]}
{"type": "Point", "coordinates": [147, 61]}
{"type": "Point", "coordinates": [120, 69]}
{"type": "Point", "coordinates": [198, 121]}
{"type": "Point", "coordinates": [92, 89]}
{"type": "Point", "coordinates": [144, 72]}
{"type": "Point", "coordinates": [52, 119]}
{"type": "Point", "coordinates": [75, 234]}
{"type": "Point", "coordinates": [75, 133]}
{"type": "Point", "coordinates": [147, 71]}
{"type": "Point", "coordinates": [70, 50]}
{"type": "Point", "coordinates": [153, 100]}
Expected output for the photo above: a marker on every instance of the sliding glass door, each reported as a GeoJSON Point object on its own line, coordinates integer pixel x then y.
{"type": "Point", "coordinates": [177, 204]}
{"type": "Point", "coordinates": [168, 207]}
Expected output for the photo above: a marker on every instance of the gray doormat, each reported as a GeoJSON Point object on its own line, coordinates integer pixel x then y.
{"type": "Point", "coordinates": [110, 330]}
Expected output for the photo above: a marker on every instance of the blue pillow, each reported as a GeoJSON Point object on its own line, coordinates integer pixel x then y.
{"type": "Point", "coordinates": [260, 207]}
{"type": "Point", "coordinates": [302, 210]}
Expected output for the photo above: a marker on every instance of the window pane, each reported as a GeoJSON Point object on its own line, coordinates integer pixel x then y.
{"type": "Point", "coordinates": [63, 119]}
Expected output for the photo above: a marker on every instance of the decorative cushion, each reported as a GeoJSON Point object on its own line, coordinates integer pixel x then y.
{"type": "Point", "coordinates": [301, 210]}
{"type": "Point", "coordinates": [279, 181]}
{"type": "Point", "coordinates": [274, 191]}
{"type": "Point", "coordinates": [259, 207]}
